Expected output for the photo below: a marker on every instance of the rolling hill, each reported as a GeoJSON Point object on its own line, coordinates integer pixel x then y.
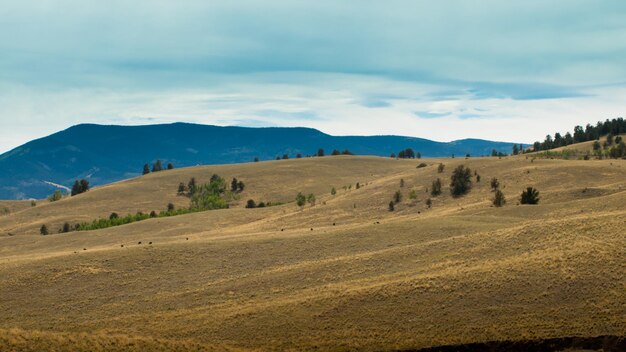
{"type": "Point", "coordinates": [344, 274]}
{"type": "Point", "coordinates": [105, 154]}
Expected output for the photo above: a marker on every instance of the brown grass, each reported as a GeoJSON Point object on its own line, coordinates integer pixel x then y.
{"type": "Point", "coordinates": [460, 272]}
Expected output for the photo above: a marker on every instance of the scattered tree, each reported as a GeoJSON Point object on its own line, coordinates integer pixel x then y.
{"type": "Point", "coordinates": [320, 152]}
{"type": "Point", "coordinates": [233, 185]}
{"type": "Point", "coordinates": [240, 186]}
{"type": "Point", "coordinates": [153, 214]}
{"type": "Point", "coordinates": [495, 184]}
{"type": "Point", "coordinates": [261, 205]}
{"type": "Point", "coordinates": [358, 185]}
{"type": "Point", "coordinates": [333, 191]}
{"type": "Point", "coordinates": [440, 168]}
{"type": "Point", "coordinates": [33, 203]}
{"type": "Point", "coordinates": [146, 169]}
{"type": "Point", "coordinates": [311, 199]}
{"type": "Point", "coordinates": [181, 188]}
{"type": "Point", "coordinates": [393, 155]}
{"type": "Point", "coordinates": [157, 166]}
{"type": "Point", "coordinates": [429, 203]}
{"type": "Point", "coordinates": [250, 204]}
{"type": "Point", "coordinates": [79, 187]}
{"type": "Point", "coordinates": [298, 156]}
{"type": "Point", "coordinates": [66, 228]}
{"type": "Point", "coordinates": [499, 199]}
{"type": "Point", "coordinates": [391, 206]}
{"type": "Point", "coordinates": [256, 159]}
{"type": "Point", "coordinates": [170, 166]}
{"type": "Point", "coordinates": [57, 195]}
{"type": "Point", "coordinates": [285, 156]}
{"type": "Point", "coordinates": [191, 186]}
{"type": "Point", "coordinates": [347, 152]}
{"type": "Point", "coordinates": [170, 207]}
{"type": "Point", "coordinates": [529, 196]}
{"type": "Point", "coordinates": [435, 189]}
{"type": "Point", "coordinates": [477, 178]}
{"type": "Point", "coordinates": [336, 152]}
{"type": "Point", "coordinates": [113, 216]}
{"type": "Point", "coordinates": [43, 230]}
{"type": "Point", "coordinates": [397, 197]}
{"type": "Point", "coordinates": [460, 181]}
{"type": "Point", "coordinates": [413, 194]}
{"type": "Point", "coordinates": [300, 199]}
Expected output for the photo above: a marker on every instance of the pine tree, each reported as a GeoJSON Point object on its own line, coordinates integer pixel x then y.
{"type": "Point", "coordinates": [170, 166]}
{"type": "Point", "coordinates": [435, 189]}
{"type": "Point", "coordinates": [233, 185]}
{"type": "Point", "coordinates": [300, 199]}
{"type": "Point", "coordinates": [397, 197]}
{"type": "Point", "coordinates": [146, 169]}
{"type": "Point", "coordinates": [157, 166]}
{"type": "Point", "coordinates": [320, 152]}
{"type": "Point", "coordinates": [495, 184]}
{"type": "Point", "coordinates": [43, 230]}
{"type": "Point", "coordinates": [460, 181]}
{"type": "Point", "coordinates": [391, 206]}
{"type": "Point", "coordinates": [499, 199]}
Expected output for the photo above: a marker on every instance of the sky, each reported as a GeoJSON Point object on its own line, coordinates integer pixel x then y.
{"type": "Point", "coordinates": [445, 70]}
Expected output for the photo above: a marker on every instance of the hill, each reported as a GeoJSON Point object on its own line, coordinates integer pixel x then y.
{"type": "Point", "coordinates": [104, 154]}
{"type": "Point", "coordinates": [343, 274]}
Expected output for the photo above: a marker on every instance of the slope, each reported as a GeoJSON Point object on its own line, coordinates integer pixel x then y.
{"type": "Point", "coordinates": [344, 274]}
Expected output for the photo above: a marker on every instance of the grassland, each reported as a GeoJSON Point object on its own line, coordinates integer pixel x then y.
{"type": "Point", "coordinates": [344, 274]}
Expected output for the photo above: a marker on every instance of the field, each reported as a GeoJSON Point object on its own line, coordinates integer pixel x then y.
{"type": "Point", "coordinates": [343, 274]}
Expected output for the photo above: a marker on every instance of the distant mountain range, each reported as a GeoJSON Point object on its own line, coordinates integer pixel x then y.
{"type": "Point", "coordinates": [105, 154]}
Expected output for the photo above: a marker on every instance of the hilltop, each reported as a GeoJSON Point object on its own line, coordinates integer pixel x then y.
{"type": "Point", "coordinates": [105, 154]}
{"type": "Point", "coordinates": [343, 274]}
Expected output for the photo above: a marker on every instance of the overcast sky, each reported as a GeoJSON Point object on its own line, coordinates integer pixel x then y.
{"type": "Point", "coordinates": [444, 70]}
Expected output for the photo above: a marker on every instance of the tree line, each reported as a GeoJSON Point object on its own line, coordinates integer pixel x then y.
{"type": "Point", "coordinates": [590, 132]}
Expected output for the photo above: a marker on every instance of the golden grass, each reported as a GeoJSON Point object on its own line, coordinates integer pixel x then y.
{"type": "Point", "coordinates": [363, 277]}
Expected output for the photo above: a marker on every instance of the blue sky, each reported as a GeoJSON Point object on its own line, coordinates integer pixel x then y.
{"type": "Point", "coordinates": [503, 70]}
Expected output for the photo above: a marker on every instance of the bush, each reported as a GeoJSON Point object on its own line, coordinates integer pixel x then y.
{"type": "Point", "coordinates": [391, 206]}
{"type": "Point", "coordinates": [401, 182]}
{"type": "Point", "coordinates": [153, 214]}
{"type": "Point", "coordinates": [440, 168]}
{"type": "Point", "coordinates": [113, 216]}
{"type": "Point", "coordinates": [397, 197]}
{"type": "Point", "coordinates": [530, 196]}
{"type": "Point", "coordinates": [429, 203]}
{"type": "Point", "coordinates": [33, 203]}
{"type": "Point", "coordinates": [413, 194]}
{"type": "Point", "coordinates": [435, 189]}
{"type": "Point", "coordinates": [181, 188]}
{"type": "Point", "coordinates": [495, 184]}
{"type": "Point", "coordinates": [499, 199]}
{"type": "Point", "coordinates": [333, 191]}
{"type": "Point", "coordinates": [421, 165]}
{"type": "Point", "coordinates": [358, 185]}
{"type": "Point", "coordinates": [250, 204]}
{"type": "Point", "coordinates": [170, 166]}
{"type": "Point", "coordinates": [461, 181]}
{"type": "Point", "coordinates": [57, 195]}
{"type": "Point", "coordinates": [477, 178]}
{"type": "Point", "coordinates": [261, 205]}
{"type": "Point", "coordinates": [311, 199]}
{"type": "Point", "coordinates": [43, 230]}
{"type": "Point", "coordinates": [300, 199]}
{"type": "Point", "coordinates": [170, 207]}
{"type": "Point", "coordinates": [66, 228]}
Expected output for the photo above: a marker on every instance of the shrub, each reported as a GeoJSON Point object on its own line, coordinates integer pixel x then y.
{"type": "Point", "coordinates": [250, 204]}
{"type": "Point", "coordinates": [170, 166]}
{"type": "Point", "coordinates": [421, 165]}
{"type": "Point", "coordinates": [529, 196]}
{"type": "Point", "coordinates": [311, 199]}
{"type": "Point", "coordinates": [300, 199]}
{"type": "Point", "coordinates": [240, 186]}
{"type": "Point", "coordinates": [261, 205]}
{"type": "Point", "coordinates": [413, 194]}
{"type": "Point", "coordinates": [499, 199]}
{"type": "Point", "coordinates": [495, 184]}
{"type": "Point", "coordinates": [66, 227]}
{"type": "Point", "coordinates": [157, 166]}
{"type": "Point", "coordinates": [429, 202]}
{"type": "Point", "coordinates": [146, 169]}
{"type": "Point", "coordinates": [401, 182]}
{"type": "Point", "coordinates": [440, 168]}
{"type": "Point", "coordinates": [113, 216]}
{"type": "Point", "coordinates": [170, 207]}
{"type": "Point", "coordinates": [391, 206]}
{"type": "Point", "coordinates": [435, 189]}
{"type": "Point", "coordinates": [181, 188]}
{"type": "Point", "coordinates": [33, 203]}
{"type": "Point", "coordinates": [477, 178]}
{"type": "Point", "coordinates": [397, 197]}
{"type": "Point", "coordinates": [153, 214]}
{"type": "Point", "coordinates": [233, 185]}
{"type": "Point", "coordinates": [43, 230]}
{"type": "Point", "coordinates": [460, 182]}
{"type": "Point", "coordinates": [333, 191]}
{"type": "Point", "coordinates": [57, 195]}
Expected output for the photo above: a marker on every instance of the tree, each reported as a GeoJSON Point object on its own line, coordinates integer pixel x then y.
{"type": "Point", "coordinates": [335, 152]}
{"type": "Point", "coordinates": [461, 181]}
{"type": "Point", "coordinates": [529, 196]}
{"type": "Point", "coordinates": [285, 156]}
{"type": "Point", "coordinates": [261, 205]}
{"type": "Point", "coordinates": [256, 159]}
{"type": "Point", "coordinates": [429, 203]}
{"type": "Point", "coordinates": [170, 166]}
{"type": "Point", "coordinates": [240, 186]}
{"type": "Point", "coordinates": [191, 186]}
{"type": "Point", "coordinates": [146, 169]}
{"type": "Point", "coordinates": [358, 185]}
{"type": "Point", "coordinates": [609, 138]}
{"type": "Point", "coordinates": [181, 188]}
{"type": "Point", "coordinates": [391, 206]}
{"type": "Point", "coordinates": [66, 227]}
{"type": "Point", "coordinates": [233, 185]}
{"type": "Point", "coordinates": [170, 207]}
{"type": "Point", "coordinates": [495, 184]}
{"type": "Point", "coordinates": [515, 149]}
{"type": "Point", "coordinates": [320, 152]}
{"type": "Point", "coordinates": [298, 156]}
{"type": "Point", "coordinates": [347, 152]}
{"type": "Point", "coordinates": [57, 195]}
{"type": "Point", "coordinates": [277, 157]}
{"type": "Point", "coordinates": [300, 199]}
{"type": "Point", "coordinates": [393, 155]}
{"type": "Point", "coordinates": [477, 178]}
{"type": "Point", "coordinates": [333, 191]}
{"type": "Point", "coordinates": [311, 199]}
{"type": "Point", "coordinates": [397, 197]}
{"type": "Point", "coordinates": [413, 194]}
{"type": "Point", "coordinates": [596, 146]}
{"type": "Point", "coordinates": [618, 139]}
{"type": "Point", "coordinates": [43, 230]}
{"type": "Point", "coordinates": [250, 204]}
{"type": "Point", "coordinates": [113, 216]}
{"type": "Point", "coordinates": [440, 168]}
{"type": "Point", "coordinates": [499, 199]}
{"type": "Point", "coordinates": [76, 189]}
{"type": "Point", "coordinates": [157, 166]}
{"type": "Point", "coordinates": [435, 189]}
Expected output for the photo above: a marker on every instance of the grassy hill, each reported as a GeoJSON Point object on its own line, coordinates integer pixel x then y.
{"type": "Point", "coordinates": [344, 274]}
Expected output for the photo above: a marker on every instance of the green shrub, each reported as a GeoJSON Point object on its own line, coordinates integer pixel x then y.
{"type": "Point", "coordinates": [499, 199]}
{"type": "Point", "coordinates": [397, 197]}
{"type": "Point", "coordinates": [460, 181]}
{"type": "Point", "coordinates": [530, 196]}
{"type": "Point", "coordinates": [435, 188]}
{"type": "Point", "coordinates": [57, 195]}
{"type": "Point", "coordinates": [300, 199]}
{"type": "Point", "coordinates": [495, 184]}
{"type": "Point", "coordinates": [43, 230]}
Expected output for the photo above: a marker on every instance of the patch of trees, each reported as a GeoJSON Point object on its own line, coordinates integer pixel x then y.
{"type": "Point", "coordinates": [588, 133]}
{"type": "Point", "coordinates": [156, 167]}
{"type": "Point", "coordinates": [497, 153]}
{"type": "Point", "coordinates": [409, 153]}
{"type": "Point", "coordinates": [79, 187]}
{"type": "Point", "coordinates": [236, 185]}
{"type": "Point", "coordinates": [345, 152]}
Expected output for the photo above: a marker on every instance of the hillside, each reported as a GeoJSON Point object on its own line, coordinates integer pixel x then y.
{"type": "Point", "coordinates": [344, 274]}
{"type": "Point", "coordinates": [105, 154]}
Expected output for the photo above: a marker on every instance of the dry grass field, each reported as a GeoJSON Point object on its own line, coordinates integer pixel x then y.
{"type": "Point", "coordinates": [345, 274]}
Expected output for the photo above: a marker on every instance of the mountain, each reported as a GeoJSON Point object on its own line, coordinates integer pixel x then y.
{"type": "Point", "coordinates": [105, 154]}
